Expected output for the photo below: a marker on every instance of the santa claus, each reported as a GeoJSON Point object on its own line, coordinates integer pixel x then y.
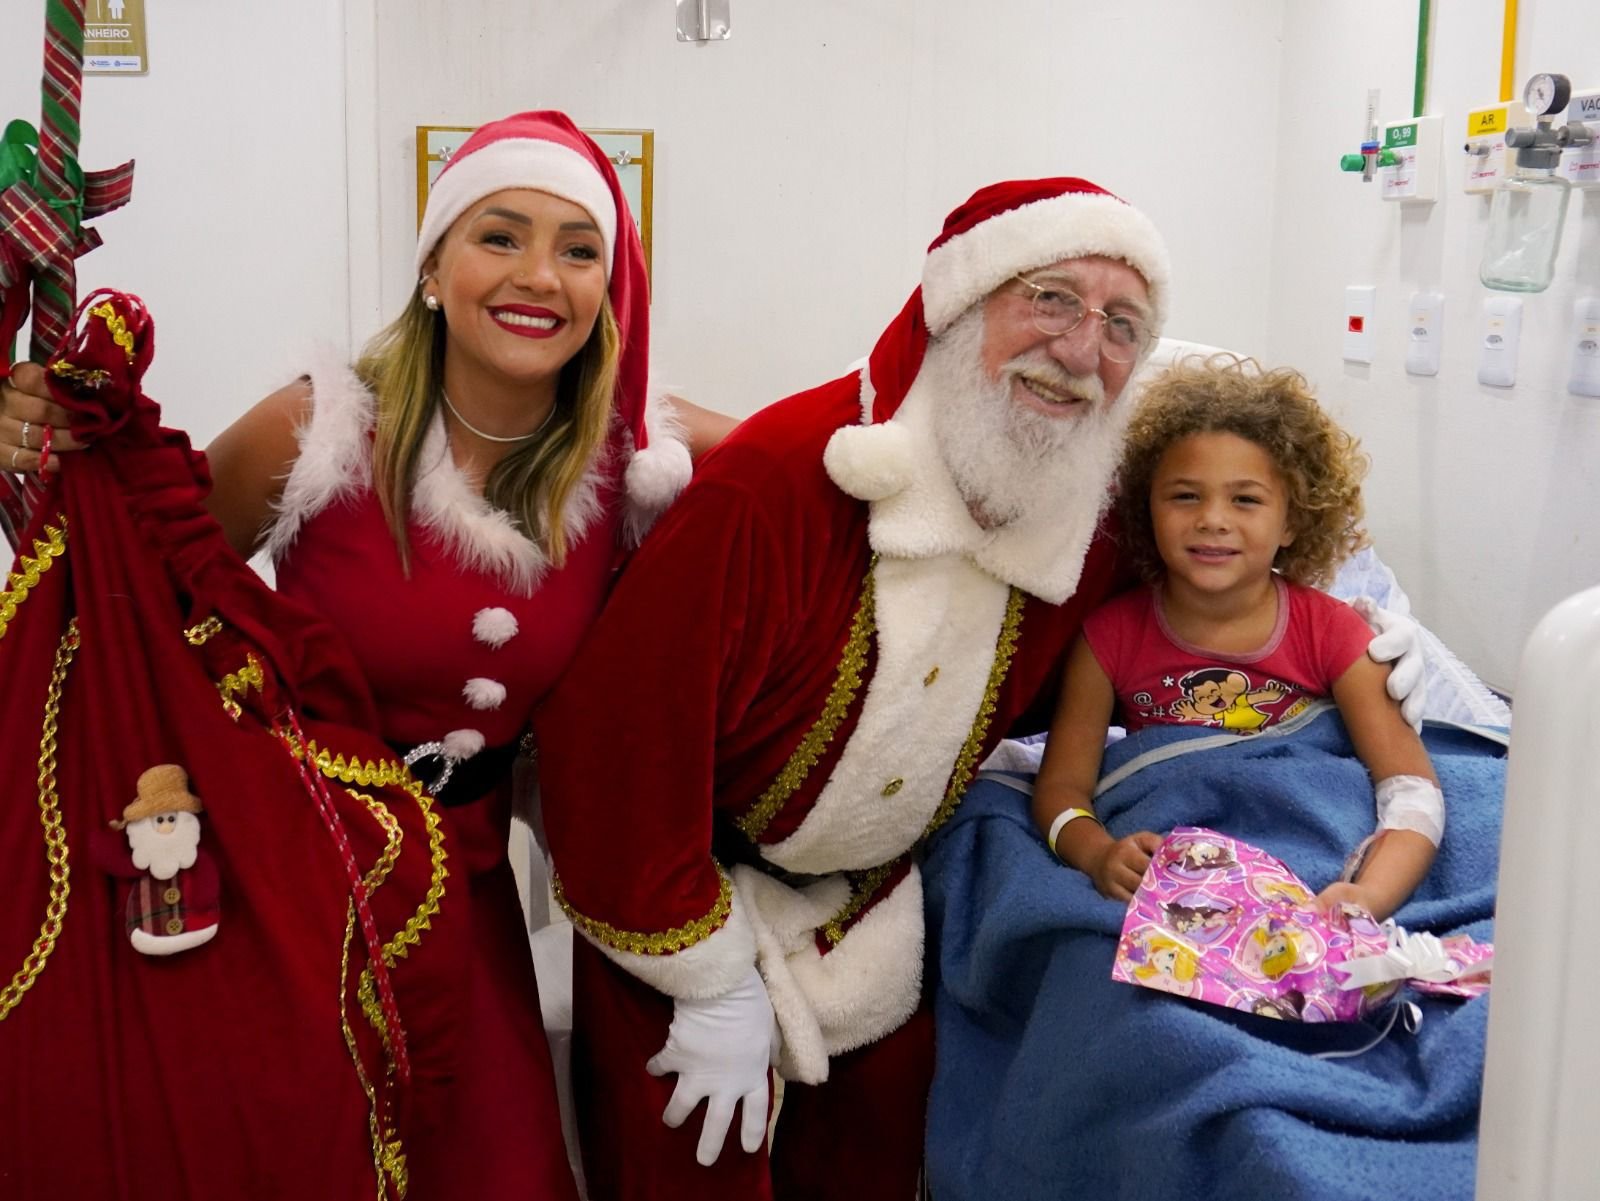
{"type": "Point", "coordinates": [893, 566]}
{"type": "Point", "coordinates": [174, 903]}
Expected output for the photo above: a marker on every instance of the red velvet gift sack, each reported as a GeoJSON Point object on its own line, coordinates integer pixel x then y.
{"type": "Point", "coordinates": [288, 1052]}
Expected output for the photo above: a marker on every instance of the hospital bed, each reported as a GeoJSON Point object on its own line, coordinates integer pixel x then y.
{"type": "Point", "coordinates": [552, 941]}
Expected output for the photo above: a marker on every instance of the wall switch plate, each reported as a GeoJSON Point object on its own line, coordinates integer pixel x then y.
{"type": "Point", "coordinates": [1360, 305]}
{"type": "Point", "coordinates": [1501, 337]}
{"type": "Point", "coordinates": [1424, 330]}
{"type": "Point", "coordinates": [1585, 376]}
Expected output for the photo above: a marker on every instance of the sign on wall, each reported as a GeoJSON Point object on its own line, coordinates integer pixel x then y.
{"type": "Point", "coordinates": [632, 153]}
{"type": "Point", "coordinates": [113, 38]}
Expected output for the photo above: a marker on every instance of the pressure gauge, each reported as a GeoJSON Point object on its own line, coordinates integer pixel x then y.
{"type": "Point", "coordinates": [1547, 93]}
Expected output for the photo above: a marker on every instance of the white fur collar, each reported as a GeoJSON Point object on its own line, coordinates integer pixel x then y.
{"type": "Point", "coordinates": [918, 512]}
{"type": "Point", "coordinates": [335, 461]}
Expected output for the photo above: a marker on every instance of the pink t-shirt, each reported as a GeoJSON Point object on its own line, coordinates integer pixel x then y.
{"type": "Point", "coordinates": [1160, 679]}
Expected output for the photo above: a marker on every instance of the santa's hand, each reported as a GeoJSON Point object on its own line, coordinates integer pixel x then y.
{"type": "Point", "coordinates": [1398, 643]}
{"type": "Point", "coordinates": [722, 1049]}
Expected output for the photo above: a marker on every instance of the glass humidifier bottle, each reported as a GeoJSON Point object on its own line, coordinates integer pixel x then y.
{"type": "Point", "coordinates": [1525, 220]}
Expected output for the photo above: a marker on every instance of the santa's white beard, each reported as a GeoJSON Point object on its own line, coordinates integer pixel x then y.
{"type": "Point", "coordinates": [1010, 461]}
{"type": "Point", "coordinates": [164, 855]}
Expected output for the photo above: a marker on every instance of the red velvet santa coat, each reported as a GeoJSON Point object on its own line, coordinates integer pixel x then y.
{"type": "Point", "coordinates": [744, 678]}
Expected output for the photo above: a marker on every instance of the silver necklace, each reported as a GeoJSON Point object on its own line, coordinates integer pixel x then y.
{"type": "Point", "coordinates": [456, 413]}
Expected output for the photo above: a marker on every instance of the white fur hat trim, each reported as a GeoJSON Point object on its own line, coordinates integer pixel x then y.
{"type": "Point", "coordinates": [967, 268]}
{"type": "Point", "coordinates": [516, 163]}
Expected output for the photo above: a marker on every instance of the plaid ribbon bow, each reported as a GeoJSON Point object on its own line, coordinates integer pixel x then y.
{"type": "Point", "coordinates": [41, 235]}
{"type": "Point", "coordinates": [45, 197]}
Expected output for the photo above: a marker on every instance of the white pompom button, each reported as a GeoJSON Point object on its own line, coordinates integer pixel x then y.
{"type": "Point", "coordinates": [483, 693]}
{"type": "Point", "coordinates": [494, 627]}
{"type": "Point", "coordinates": [463, 744]}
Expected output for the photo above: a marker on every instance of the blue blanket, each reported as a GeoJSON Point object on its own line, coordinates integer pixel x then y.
{"type": "Point", "coordinates": [1054, 1081]}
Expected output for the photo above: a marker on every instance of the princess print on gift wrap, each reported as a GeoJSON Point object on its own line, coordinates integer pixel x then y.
{"type": "Point", "coordinates": [1274, 947]}
{"type": "Point", "coordinates": [1198, 858]}
{"type": "Point", "coordinates": [1279, 952]}
{"type": "Point", "coordinates": [1276, 890]}
{"type": "Point", "coordinates": [1199, 916]}
{"type": "Point", "coordinates": [1286, 1008]}
{"type": "Point", "coordinates": [1157, 960]}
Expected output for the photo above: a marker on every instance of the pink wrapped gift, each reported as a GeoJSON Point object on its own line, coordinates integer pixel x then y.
{"type": "Point", "coordinates": [1219, 920]}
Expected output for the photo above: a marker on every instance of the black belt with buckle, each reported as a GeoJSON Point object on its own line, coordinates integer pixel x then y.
{"type": "Point", "coordinates": [454, 782]}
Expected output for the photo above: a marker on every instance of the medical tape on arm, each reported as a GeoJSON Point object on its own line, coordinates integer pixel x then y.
{"type": "Point", "coordinates": [1411, 803]}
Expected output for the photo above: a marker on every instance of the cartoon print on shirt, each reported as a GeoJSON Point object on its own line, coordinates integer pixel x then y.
{"type": "Point", "coordinates": [1220, 696]}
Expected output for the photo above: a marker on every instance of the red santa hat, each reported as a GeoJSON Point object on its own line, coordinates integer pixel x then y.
{"type": "Point", "coordinates": [1003, 230]}
{"type": "Point", "coordinates": [1018, 226]}
{"type": "Point", "coordinates": [546, 152]}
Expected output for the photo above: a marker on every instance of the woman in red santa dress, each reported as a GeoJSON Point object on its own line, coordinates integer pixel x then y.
{"type": "Point", "coordinates": [456, 503]}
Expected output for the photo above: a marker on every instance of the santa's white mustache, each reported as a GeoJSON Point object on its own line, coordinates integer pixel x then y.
{"type": "Point", "coordinates": [1039, 367]}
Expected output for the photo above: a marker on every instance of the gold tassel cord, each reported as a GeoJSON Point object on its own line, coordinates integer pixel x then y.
{"type": "Point", "coordinates": [55, 835]}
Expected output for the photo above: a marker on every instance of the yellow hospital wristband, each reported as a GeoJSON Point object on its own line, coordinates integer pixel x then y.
{"type": "Point", "coordinates": [1062, 818]}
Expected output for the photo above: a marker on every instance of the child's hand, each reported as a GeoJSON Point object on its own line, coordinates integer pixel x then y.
{"type": "Point", "coordinates": [1342, 893]}
{"type": "Point", "coordinates": [1118, 868]}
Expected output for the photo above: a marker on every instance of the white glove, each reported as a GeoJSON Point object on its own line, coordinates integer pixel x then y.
{"type": "Point", "coordinates": [722, 1049]}
{"type": "Point", "coordinates": [1398, 641]}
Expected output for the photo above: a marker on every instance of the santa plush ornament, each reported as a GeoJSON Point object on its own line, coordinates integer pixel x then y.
{"type": "Point", "coordinates": [174, 902]}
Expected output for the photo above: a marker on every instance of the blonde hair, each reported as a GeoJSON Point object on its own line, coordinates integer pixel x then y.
{"type": "Point", "coordinates": [1277, 964]}
{"type": "Point", "coordinates": [1322, 466]}
{"type": "Point", "coordinates": [1184, 961]}
{"type": "Point", "coordinates": [403, 366]}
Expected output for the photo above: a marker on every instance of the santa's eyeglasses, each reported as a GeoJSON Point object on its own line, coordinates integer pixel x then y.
{"type": "Point", "coordinates": [1058, 310]}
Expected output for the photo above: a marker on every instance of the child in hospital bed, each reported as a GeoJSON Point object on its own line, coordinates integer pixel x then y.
{"type": "Point", "coordinates": [1239, 496]}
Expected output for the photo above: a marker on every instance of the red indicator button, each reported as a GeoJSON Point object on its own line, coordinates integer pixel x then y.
{"type": "Point", "coordinates": [1357, 324]}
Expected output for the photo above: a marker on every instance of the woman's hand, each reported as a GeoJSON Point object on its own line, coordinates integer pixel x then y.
{"type": "Point", "coordinates": [25, 411]}
{"type": "Point", "coordinates": [1117, 868]}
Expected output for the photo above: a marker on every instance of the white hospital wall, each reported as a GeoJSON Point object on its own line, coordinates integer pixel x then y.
{"type": "Point", "coordinates": [804, 165]}
{"type": "Point", "coordinates": [1483, 499]}
{"type": "Point", "coordinates": [236, 233]}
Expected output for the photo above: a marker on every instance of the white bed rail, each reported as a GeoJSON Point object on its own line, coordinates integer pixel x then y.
{"type": "Point", "coordinates": [1539, 1133]}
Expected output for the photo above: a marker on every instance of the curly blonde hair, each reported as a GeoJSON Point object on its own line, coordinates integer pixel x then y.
{"type": "Point", "coordinates": [1322, 466]}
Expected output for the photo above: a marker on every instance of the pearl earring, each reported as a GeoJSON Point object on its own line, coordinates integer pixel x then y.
{"type": "Point", "coordinates": [430, 302]}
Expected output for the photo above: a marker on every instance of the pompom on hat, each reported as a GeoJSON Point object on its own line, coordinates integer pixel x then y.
{"type": "Point", "coordinates": [544, 151]}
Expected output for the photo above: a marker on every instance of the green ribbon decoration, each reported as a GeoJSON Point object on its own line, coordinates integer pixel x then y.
{"type": "Point", "coordinates": [19, 163]}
